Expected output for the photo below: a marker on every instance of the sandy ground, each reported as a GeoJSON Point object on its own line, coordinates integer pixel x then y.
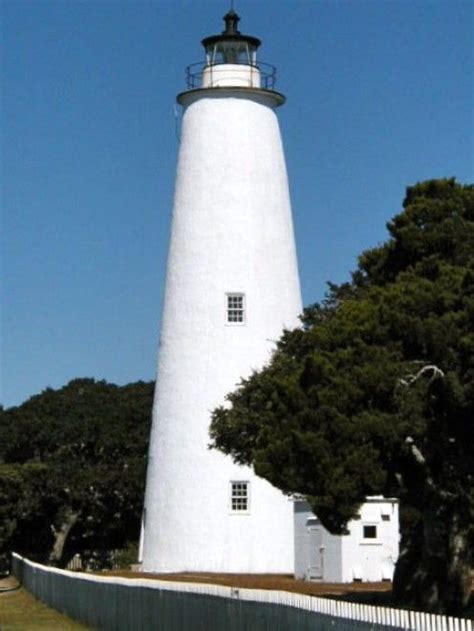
{"type": "Point", "coordinates": [7, 584]}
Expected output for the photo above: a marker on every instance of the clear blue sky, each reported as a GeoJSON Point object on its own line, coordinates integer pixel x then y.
{"type": "Point", "coordinates": [379, 96]}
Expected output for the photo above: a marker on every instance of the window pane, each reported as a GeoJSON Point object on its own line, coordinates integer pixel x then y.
{"type": "Point", "coordinates": [370, 532]}
{"type": "Point", "coordinates": [235, 308]}
{"type": "Point", "coordinates": [239, 496]}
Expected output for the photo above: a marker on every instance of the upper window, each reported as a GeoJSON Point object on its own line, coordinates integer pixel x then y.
{"type": "Point", "coordinates": [239, 497]}
{"type": "Point", "coordinates": [235, 309]}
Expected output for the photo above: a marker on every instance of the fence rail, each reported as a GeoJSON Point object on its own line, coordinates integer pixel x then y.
{"type": "Point", "coordinates": [145, 604]}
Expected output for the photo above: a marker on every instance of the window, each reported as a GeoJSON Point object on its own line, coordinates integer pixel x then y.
{"type": "Point", "coordinates": [370, 532]}
{"type": "Point", "coordinates": [230, 52]}
{"type": "Point", "coordinates": [385, 517]}
{"type": "Point", "coordinates": [239, 497]}
{"type": "Point", "coordinates": [235, 309]}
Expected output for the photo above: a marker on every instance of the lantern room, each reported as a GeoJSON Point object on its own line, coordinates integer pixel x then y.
{"type": "Point", "coordinates": [231, 61]}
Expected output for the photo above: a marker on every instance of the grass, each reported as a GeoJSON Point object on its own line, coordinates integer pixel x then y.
{"type": "Point", "coordinates": [20, 611]}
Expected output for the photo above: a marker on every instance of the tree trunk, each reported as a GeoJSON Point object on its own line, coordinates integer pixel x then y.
{"type": "Point", "coordinates": [433, 573]}
{"type": "Point", "coordinates": [60, 536]}
{"type": "Point", "coordinates": [460, 560]}
{"type": "Point", "coordinates": [408, 561]}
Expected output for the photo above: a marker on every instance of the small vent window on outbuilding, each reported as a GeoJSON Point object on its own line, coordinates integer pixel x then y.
{"type": "Point", "coordinates": [370, 532]}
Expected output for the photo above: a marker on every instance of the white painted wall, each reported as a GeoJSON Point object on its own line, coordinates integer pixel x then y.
{"type": "Point", "coordinates": [372, 559]}
{"type": "Point", "coordinates": [225, 75]}
{"type": "Point", "coordinates": [231, 232]}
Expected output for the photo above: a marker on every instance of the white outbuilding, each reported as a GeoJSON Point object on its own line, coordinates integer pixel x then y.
{"type": "Point", "coordinates": [367, 553]}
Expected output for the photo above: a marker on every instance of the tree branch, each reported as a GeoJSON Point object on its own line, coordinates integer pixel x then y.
{"type": "Point", "coordinates": [433, 371]}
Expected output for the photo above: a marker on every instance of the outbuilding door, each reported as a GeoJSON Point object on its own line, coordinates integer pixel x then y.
{"type": "Point", "coordinates": [315, 566]}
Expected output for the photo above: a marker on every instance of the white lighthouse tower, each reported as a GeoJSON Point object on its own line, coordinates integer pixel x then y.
{"type": "Point", "coordinates": [231, 288]}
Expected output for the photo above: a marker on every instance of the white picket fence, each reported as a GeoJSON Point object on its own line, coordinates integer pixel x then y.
{"type": "Point", "coordinates": [388, 616]}
{"type": "Point", "coordinates": [337, 609]}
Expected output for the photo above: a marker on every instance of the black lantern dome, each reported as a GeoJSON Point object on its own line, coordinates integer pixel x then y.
{"type": "Point", "coordinates": [231, 47]}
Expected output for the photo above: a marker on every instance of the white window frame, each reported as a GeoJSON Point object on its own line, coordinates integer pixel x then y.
{"type": "Point", "coordinates": [228, 308]}
{"type": "Point", "coordinates": [233, 495]}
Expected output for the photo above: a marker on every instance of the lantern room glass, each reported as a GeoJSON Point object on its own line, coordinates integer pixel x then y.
{"type": "Point", "coordinates": [231, 52]}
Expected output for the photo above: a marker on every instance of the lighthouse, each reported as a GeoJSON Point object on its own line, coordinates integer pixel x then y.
{"type": "Point", "coordinates": [231, 288]}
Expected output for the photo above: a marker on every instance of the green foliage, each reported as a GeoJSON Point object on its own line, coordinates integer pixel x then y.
{"type": "Point", "coordinates": [73, 468]}
{"type": "Point", "coordinates": [126, 557]}
{"type": "Point", "coordinates": [375, 395]}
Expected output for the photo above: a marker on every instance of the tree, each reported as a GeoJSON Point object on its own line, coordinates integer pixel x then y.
{"type": "Point", "coordinates": [73, 469]}
{"type": "Point", "coordinates": [20, 506]}
{"type": "Point", "coordinates": [375, 395]}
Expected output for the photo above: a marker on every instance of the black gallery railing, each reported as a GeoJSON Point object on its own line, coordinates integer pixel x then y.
{"type": "Point", "coordinates": [195, 72]}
